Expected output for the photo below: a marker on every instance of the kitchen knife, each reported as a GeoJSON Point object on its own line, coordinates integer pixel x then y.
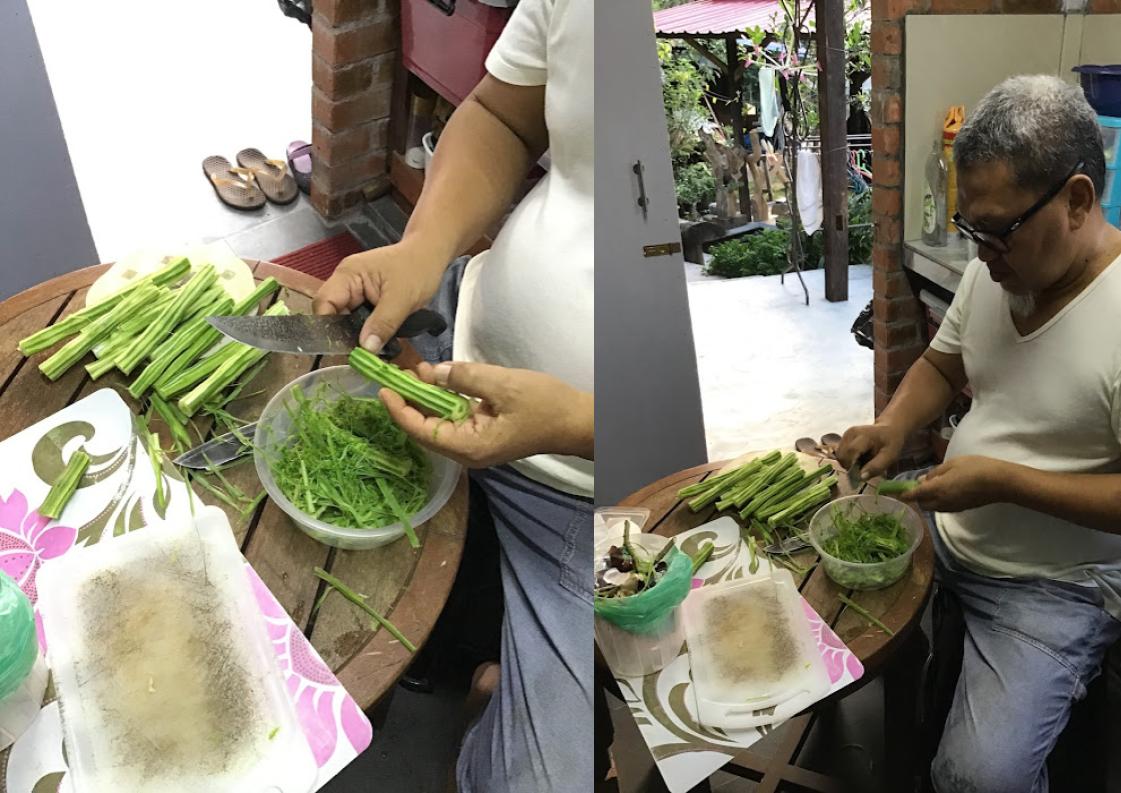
{"type": "Point", "coordinates": [219, 451]}
{"type": "Point", "coordinates": [855, 480]}
{"type": "Point", "coordinates": [335, 334]}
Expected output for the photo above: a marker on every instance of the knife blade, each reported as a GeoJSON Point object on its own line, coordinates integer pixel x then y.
{"type": "Point", "coordinates": [335, 334]}
{"type": "Point", "coordinates": [856, 482]}
{"type": "Point", "coordinates": [219, 451]}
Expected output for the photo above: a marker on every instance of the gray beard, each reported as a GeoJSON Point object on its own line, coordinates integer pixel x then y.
{"type": "Point", "coordinates": [1022, 306]}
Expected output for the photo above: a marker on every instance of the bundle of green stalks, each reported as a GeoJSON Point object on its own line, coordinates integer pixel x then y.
{"type": "Point", "coordinates": [772, 490]}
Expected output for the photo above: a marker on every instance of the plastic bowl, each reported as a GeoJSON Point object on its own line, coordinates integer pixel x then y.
{"type": "Point", "coordinates": [634, 654]}
{"type": "Point", "coordinates": [855, 575]}
{"type": "Point", "coordinates": [1102, 87]}
{"type": "Point", "coordinates": [273, 430]}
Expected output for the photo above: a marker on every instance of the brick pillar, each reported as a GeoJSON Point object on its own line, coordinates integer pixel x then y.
{"type": "Point", "coordinates": [897, 324]}
{"type": "Point", "coordinates": [354, 46]}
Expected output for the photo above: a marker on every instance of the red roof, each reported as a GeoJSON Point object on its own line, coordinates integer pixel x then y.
{"type": "Point", "coordinates": [720, 16]}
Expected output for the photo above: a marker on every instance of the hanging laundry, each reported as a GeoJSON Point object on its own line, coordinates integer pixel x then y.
{"type": "Point", "coordinates": [809, 190]}
{"type": "Point", "coordinates": [769, 106]}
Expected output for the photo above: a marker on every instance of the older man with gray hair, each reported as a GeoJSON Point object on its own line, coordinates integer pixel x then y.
{"type": "Point", "coordinates": [1027, 506]}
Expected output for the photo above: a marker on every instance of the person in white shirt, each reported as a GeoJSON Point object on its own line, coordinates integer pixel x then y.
{"type": "Point", "coordinates": [1026, 508]}
{"type": "Point", "coordinates": [522, 342]}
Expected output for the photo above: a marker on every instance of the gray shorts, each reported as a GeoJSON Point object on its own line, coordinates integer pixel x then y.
{"type": "Point", "coordinates": [533, 735]}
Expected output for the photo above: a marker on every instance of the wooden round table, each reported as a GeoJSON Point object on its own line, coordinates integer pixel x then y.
{"type": "Point", "coordinates": [409, 587]}
{"type": "Point", "coordinates": [899, 658]}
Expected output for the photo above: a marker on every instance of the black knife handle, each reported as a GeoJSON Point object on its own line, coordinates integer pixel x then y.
{"type": "Point", "coordinates": [423, 320]}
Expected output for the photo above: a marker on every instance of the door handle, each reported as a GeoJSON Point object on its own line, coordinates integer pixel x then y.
{"type": "Point", "coordinates": [643, 201]}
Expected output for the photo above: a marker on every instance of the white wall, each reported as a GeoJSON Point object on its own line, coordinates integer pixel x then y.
{"type": "Point", "coordinates": [955, 60]}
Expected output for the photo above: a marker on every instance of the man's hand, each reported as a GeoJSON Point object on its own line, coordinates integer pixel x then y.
{"type": "Point", "coordinates": [396, 279]}
{"type": "Point", "coordinates": [960, 484]}
{"type": "Point", "coordinates": [880, 443]}
{"type": "Point", "coordinates": [522, 413]}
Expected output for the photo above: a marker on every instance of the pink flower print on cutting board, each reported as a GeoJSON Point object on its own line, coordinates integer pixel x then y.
{"type": "Point", "coordinates": [312, 688]}
{"type": "Point", "coordinates": [833, 651]}
{"type": "Point", "coordinates": [26, 540]}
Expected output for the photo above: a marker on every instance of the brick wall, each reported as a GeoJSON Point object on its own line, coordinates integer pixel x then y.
{"type": "Point", "coordinates": [898, 324]}
{"type": "Point", "coordinates": [354, 46]}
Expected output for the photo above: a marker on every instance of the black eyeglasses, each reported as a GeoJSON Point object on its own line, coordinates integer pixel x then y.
{"type": "Point", "coordinates": [998, 241]}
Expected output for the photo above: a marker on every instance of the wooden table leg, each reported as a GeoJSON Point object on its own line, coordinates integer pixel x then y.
{"type": "Point", "coordinates": [902, 689]}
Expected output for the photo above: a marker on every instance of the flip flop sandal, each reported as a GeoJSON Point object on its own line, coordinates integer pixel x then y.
{"type": "Point", "coordinates": [272, 176]}
{"type": "Point", "coordinates": [236, 187]}
{"type": "Point", "coordinates": [299, 163]}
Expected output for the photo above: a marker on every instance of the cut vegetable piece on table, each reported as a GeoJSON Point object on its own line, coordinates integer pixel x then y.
{"type": "Point", "coordinates": [69, 325]}
{"type": "Point", "coordinates": [65, 486]}
{"type": "Point", "coordinates": [360, 601]}
{"type": "Point", "coordinates": [71, 352]}
{"type": "Point", "coordinates": [156, 332]}
{"type": "Point", "coordinates": [233, 365]}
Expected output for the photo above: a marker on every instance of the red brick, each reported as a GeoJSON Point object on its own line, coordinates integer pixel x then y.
{"type": "Point", "coordinates": [1104, 7]}
{"type": "Point", "coordinates": [331, 205]}
{"type": "Point", "coordinates": [888, 230]}
{"type": "Point", "coordinates": [886, 258]}
{"type": "Point", "coordinates": [882, 400]}
{"type": "Point", "coordinates": [887, 73]}
{"type": "Point", "coordinates": [895, 309]}
{"type": "Point", "coordinates": [964, 6]}
{"type": "Point", "coordinates": [887, 38]}
{"type": "Point", "coordinates": [886, 201]}
{"type": "Point", "coordinates": [890, 284]}
{"type": "Point", "coordinates": [341, 12]}
{"type": "Point", "coordinates": [335, 148]}
{"type": "Point", "coordinates": [896, 9]}
{"type": "Point", "coordinates": [886, 171]}
{"type": "Point", "coordinates": [1031, 6]}
{"type": "Point", "coordinates": [887, 108]}
{"type": "Point", "coordinates": [885, 141]}
{"type": "Point", "coordinates": [342, 82]}
{"type": "Point", "coordinates": [352, 174]}
{"type": "Point", "coordinates": [341, 46]}
{"type": "Point", "coordinates": [895, 335]}
{"type": "Point", "coordinates": [353, 112]}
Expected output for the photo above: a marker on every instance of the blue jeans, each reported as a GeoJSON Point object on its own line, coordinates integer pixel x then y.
{"type": "Point", "coordinates": [1031, 648]}
{"type": "Point", "coordinates": [533, 735]}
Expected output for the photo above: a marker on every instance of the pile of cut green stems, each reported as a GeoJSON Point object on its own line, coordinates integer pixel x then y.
{"type": "Point", "coordinates": [155, 331]}
{"type": "Point", "coordinates": [771, 493]}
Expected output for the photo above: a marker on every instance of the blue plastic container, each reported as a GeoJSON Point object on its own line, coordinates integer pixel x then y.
{"type": "Point", "coordinates": [1102, 86]}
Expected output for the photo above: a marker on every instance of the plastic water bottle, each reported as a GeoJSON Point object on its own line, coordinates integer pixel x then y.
{"type": "Point", "coordinates": [934, 198]}
{"type": "Point", "coordinates": [23, 672]}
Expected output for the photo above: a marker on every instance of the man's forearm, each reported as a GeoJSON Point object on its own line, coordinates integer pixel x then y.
{"type": "Point", "coordinates": [1091, 500]}
{"type": "Point", "coordinates": [477, 167]}
{"type": "Point", "coordinates": [920, 399]}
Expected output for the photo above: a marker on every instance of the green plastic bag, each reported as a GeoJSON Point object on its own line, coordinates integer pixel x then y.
{"type": "Point", "coordinates": [646, 611]}
{"type": "Point", "coordinates": [19, 646]}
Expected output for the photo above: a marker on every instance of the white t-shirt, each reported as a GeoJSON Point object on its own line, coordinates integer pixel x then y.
{"type": "Point", "coordinates": [527, 303]}
{"type": "Point", "coordinates": [1050, 400]}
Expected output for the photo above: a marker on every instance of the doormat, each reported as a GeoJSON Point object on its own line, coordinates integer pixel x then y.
{"type": "Point", "coordinates": [321, 258]}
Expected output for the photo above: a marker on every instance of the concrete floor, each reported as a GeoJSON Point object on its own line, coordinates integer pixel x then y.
{"type": "Point", "coordinates": [772, 369]}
